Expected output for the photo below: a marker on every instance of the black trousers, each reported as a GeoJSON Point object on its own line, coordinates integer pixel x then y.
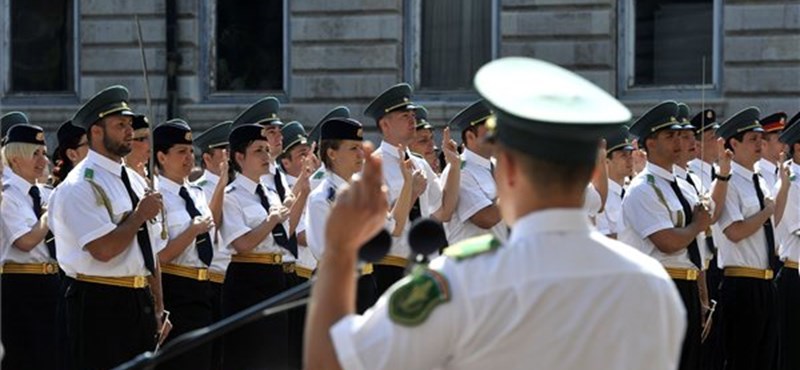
{"type": "Point", "coordinates": [690, 351]}
{"type": "Point", "coordinates": [711, 349]}
{"type": "Point", "coordinates": [366, 294]}
{"type": "Point", "coordinates": [788, 287]}
{"type": "Point", "coordinates": [29, 321]}
{"type": "Point", "coordinates": [749, 323]}
{"type": "Point", "coordinates": [190, 305]}
{"type": "Point", "coordinates": [385, 276]}
{"type": "Point", "coordinates": [64, 361]}
{"type": "Point", "coordinates": [216, 315]}
{"type": "Point", "coordinates": [108, 325]}
{"type": "Point", "coordinates": [297, 325]}
{"type": "Point", "coordinates": [263, 344]}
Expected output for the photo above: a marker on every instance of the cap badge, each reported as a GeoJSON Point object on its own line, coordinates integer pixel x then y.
{"type": "Point", "coordinates": [40, 136]}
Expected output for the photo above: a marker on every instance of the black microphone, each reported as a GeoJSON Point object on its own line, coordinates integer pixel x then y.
{"type": "Point", "coordinates": [373, 250]}
{"type": "Point", "coordinates": [377, 247]}
{"type": "Point", "coordinates": [426, 237]}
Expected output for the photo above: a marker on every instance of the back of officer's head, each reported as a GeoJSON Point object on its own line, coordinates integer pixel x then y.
{"type": "Point", "coordinates": [546, 126]}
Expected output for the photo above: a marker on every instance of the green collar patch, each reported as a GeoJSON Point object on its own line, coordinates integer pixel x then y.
{"type": "Point", "coordinates": [318, 175]}
{"type": "Point", "coordinates": [202, 183]}
{"type": "Point", "coordinates": [472, 247]}
{"type": "Point", "coordinates": [463, 163]}
{"type": "Point", "coordinates": [414, 297]}
{"type": "Point", "coordinates": [88, 174]}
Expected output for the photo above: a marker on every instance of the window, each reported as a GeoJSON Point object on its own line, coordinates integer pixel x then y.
{"type": "Point", "coordinates": [40, 40]}
{"type": "Point", "coordinates": [245, 49]}
{"type": "Point", "coordinates": [448, 41]}
{"type": "Point", "coordinates": [669, 44]}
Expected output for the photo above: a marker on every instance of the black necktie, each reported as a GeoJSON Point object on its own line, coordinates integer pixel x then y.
{"type": "Point", "coordinates": [279, 186]}
{"type": "Point", "coordinates": [713, 173]}
{"type": "Point", "coordinates": [203, 241]}
{"type": "Point", "coordinates": [691, 182]}
{"type": "Point", "coordinates": [278, 232]}
{"type": "Point", "coordinates": [491, 168]}
{"type": "Point", "coordinates": [772, 259]}
{"type": "Point", "coordinates": [49, 240]}
{"type": "Point", "coordinates": [622, 194]}
{"type": "Point", "coordinates": [142, 236]}
{"type": "Point", "coordinates": [416, 210]}
{"type": "Point", "coordinates": [694, 251]}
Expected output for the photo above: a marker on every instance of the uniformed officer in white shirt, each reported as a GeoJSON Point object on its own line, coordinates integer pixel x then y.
{"type": "Point", "coordinates": [186, 257]}
{"type": "Point", "coordinates": [688, 151]}
{"type": "Point", "coordinates": [265, 112]}
{"type": "Point", "coordinates": [7, 121]}
{"type": "Point", "coordinates": [101, 220]}
{"type": "Point", "coordinates": [772, 149]}
{"type": "Point", "coordinates": [30, 281]}
{"type": "Point", "coordinates": [706, 147]}
{"type": "Point", "coordinates": [313, 137]}
{"type": "Point", "coordinates": [393, 113]}
{"type": "Point", "coordinates": [477, 212]}
{"type": "Point", "coordinates": [213, 147]}
{"type": "Point", "coordinates": [139, 158]}
{"type": "Point", "coordinates": [341, 149]}
{"type": "Point", "coordinates": [550, 298]}
{"type": "Point", "coordinates": [747, 251]}
{"type": "Point", "coordinates": [620, 167]}
{"type": "Point", "coordinates": [255, 226]}
{"type": "Point", "coordinates": [664, 217]}
{"type": "Point", "coordinates": [788, 235]}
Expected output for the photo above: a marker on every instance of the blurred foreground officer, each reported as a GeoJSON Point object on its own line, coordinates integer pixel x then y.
{"type": "Point", "coordinates": [186, 257]}
{"type": "Point", "coordinates": [551, 298]}
{"type": "Point", "coordinates": [664, 217]}
{"type": "Point", "coordinates": [101, 219]}
{"type": "Point", "coordinates": [255, 226]}
{"type": "Point", "coordinates": [788, 281]}
{"type": "Point", "coordinates": [746, 251]}
{"type": "Point", "coordinates": [477, 212]}
{"type": "Point", "coordinates": [29, 271]}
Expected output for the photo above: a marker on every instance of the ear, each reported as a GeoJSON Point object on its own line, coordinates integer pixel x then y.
{"type": "Point", "coordinates": [285, 162]}
{"type": "Point", "coordinates": [510, 167]}
{"type": "Point", "coordinates": [206, 159]}
{"type": "Point", "coordinates": [330, 152]}
{"type": "Point", "coordinates": [72, 155]}
{"type": "Point", "coordinates": [470, 137]}
{"type": "Point", "coordinates": [161, 157]}
{"type": "Point", "coordinates": [239, 158]}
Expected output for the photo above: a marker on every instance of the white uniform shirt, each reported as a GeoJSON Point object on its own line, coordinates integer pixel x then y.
{"type": "Point", "coordinates": [684, 175]}
{"type": "Point", "coordinates": [592, 203]}
{"type": "Point", "coordinates": [243, 212]}
{"type": "Point", "coordinates": [477, 191]}
{"type": "Point", "coordinates": [645, 214]}
{"type": "Point", "coordinates": [18, 220]}
{"type": "Point", "coordinates": [703, 170]}
{"type": "Point", "coordinates": [7, 172]}
{"type": "Point", "coordinates": [768, 171]}
{"type": "Point", "coordinates": [610, 220]}
{"type": "Point", "coordinates": [78, 217]}
{"type": "Point", "coordinates": [557, 296]}
{"type": "Point", "coordinates": [318, 208]}
{"type": "Point", "coordinates": [178, 219]}
{"type": "Point", "coordinates": [304, 256]}
{"type": "Point", "coordinates": [742, 202]}
{"type": "Point", "coordinates": [430, 200]}
{"type": "Point", "coordinates": [222, 256]}
{"type": "Point", "coordinates": [789, 228]}
{"type": "Point", "coordinates": [316, 178]}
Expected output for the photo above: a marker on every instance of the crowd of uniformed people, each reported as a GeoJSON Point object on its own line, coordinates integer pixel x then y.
{"type": "Point", "coordinates": [120, 239]}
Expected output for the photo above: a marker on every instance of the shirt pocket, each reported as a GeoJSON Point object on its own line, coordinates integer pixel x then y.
{"type": "Point", "coordinates": [750, 206]}
{"type": "Point", "coordinates": [120, 209]}
{"type": "Point", "coordinates": [177, 222]}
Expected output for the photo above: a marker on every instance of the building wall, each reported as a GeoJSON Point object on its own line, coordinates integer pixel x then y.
{"type": "Point", "coordinates": [346, 52]}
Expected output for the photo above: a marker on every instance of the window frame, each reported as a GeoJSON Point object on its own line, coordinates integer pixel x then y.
{"type": "Point", "coordinates": [207, 17]}
{"type": "Point", "coordinates": [69, 96]}
{"type": "Point", "coordinates": [626, 27]}
{"type": "Point", "coordinates": [412, 13]}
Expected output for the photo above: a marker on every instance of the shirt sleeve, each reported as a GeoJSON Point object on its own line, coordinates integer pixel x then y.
{"type": "Point", "coordinates": [592, 201]}
{"type": "Point", "coordinates": [317, 211]}
{"type": "Point", "coordinates": [732, 211]}
{"type": "Point", "coordinates": [374, 341]}
{"type": "Point", "coordinates": [470, 198]}
{"type": "Point", "coordinates": [644, 212]}
{"type": "Point", "coordinates": [17, 220]}
{"type": "Point", "coordinates": [434, 190]}
{"type": "Point", "coordinates": [87, 219]}
{"type": "Point", "coordinates": [234, 223]}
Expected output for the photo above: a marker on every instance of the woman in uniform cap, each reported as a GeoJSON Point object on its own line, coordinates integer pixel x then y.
{"type": "Point", "coordinates": [30, 279]}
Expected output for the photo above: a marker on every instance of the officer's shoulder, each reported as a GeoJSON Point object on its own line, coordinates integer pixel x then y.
{"type": "Point", "coordinates": [413, 298]}
{"type": "Point", "coordinates": [230, 188]}
{"type": "Point", "coordinates": [473, 247]}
